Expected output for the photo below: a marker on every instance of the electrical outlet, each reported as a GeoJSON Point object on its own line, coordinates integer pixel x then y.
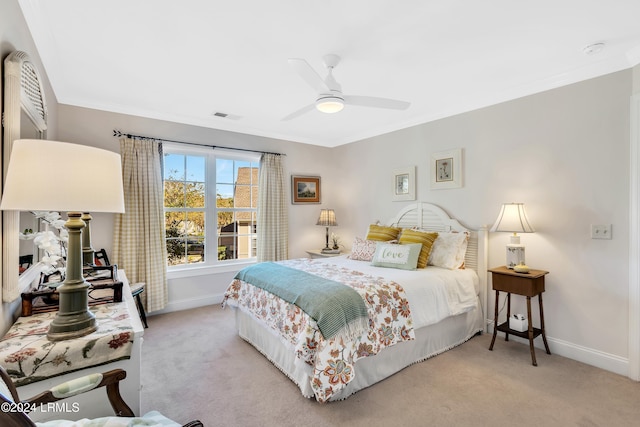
{"type": "Point", "coordinates": [601, 231]}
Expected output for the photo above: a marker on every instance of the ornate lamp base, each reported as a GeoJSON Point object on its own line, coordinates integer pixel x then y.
{"type": "Point", "coordinates": [515, 252]}
{"type": "Point", "coordinates": [515, 255]}
{"type": "Point", "coordinates": [69, 326]}
{"type": "Point", "coordinates": [74, 318]}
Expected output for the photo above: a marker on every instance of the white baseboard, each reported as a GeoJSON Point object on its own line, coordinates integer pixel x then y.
{"type": "Point", "coordinates": [599, 359]}
{"type": "Point", "coordinates": [187, 304]}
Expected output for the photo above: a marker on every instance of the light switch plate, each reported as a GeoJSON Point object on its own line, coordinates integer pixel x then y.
{"type": "Point", "coordinates": [601, 231]}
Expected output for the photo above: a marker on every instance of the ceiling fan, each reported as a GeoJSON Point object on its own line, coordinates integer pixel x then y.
{"type": "Point", "coordinates": [330, 97]}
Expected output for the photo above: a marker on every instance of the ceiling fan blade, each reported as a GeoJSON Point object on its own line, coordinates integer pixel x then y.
{"type": "Point", "coordinates": [300, 112]}
{"type": "Point", "coordinates": [309, 75]}
{"type": "Point", "coordinates": [375, 102]}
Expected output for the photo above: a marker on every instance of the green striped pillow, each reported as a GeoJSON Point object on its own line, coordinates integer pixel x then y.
{"type": "Point", "coordinates": [409, 236]}
{"type": "Point", "coordinates": [382, 233]}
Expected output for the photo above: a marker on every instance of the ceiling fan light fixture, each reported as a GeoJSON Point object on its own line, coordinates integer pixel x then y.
{"type": "Point", "coordinates": [330, 104]}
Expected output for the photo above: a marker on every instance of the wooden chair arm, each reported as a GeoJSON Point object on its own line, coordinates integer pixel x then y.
{"type": "Point", "coordinates": [5, 378]}
{"type": "Point", "coordinates": [110, 380]}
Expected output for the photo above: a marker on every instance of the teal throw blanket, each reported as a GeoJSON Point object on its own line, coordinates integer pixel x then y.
{"type": "Point", "coordinates": [336, 308]}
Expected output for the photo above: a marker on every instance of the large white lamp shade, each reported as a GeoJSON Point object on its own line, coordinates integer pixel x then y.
{"type": "Point", "coordinates": [58, 176]}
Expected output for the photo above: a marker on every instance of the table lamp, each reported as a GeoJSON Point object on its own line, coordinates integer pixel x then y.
{"type": "Point", "coordinates": [513, 219]}
{"type": "Point", "coordinates": [328, 219]}
{"type": "Point", "coordinates": [58, 176]}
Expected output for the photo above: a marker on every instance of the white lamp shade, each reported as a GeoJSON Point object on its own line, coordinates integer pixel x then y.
{"type": "Point", "coordinates": [58, 176]}
{"type": "Point", "coordinates": [327, 218]}
{"type": "Point", "coordinates": [512, 218]}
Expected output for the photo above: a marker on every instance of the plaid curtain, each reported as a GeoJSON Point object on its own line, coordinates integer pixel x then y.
{"type": "Point", "coordinates": [139, 241]}
{"type": "Point", "coordinates": [273, 223]}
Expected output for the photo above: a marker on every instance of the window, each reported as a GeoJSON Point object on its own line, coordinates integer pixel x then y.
{"type": "Point", "coordinates": [210, 205]}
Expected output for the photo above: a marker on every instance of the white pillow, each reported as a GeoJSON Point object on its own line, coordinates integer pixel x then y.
{"type": "Point", "coordinates": [448, 250]}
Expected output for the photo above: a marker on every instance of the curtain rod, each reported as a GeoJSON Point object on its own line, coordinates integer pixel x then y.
{"type": "Point", "coordinates": [129, 135]}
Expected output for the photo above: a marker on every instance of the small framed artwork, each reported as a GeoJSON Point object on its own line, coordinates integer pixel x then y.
{"type": "Point", "coordinates": [305, 189]}
{"type": "Point", "coordinates": [404, 184]}
{"type": "Point", "coordinates": [446, 169]}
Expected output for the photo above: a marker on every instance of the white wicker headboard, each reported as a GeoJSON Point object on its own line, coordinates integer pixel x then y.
{"type": "Point", "coordinates": [427, 216]}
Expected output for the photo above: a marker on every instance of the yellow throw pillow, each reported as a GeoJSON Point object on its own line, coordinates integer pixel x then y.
{"type": "Point", "coordinates": [381, 233]}
{"type": "Point", "coordinates": [413, 236]}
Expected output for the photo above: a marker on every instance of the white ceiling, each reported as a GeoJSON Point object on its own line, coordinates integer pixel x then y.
{"type": "Point", "coordinates": [183, 60]}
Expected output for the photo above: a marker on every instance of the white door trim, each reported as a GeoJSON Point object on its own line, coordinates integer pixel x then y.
{"type": "Point", "coordinates": [634, 240]}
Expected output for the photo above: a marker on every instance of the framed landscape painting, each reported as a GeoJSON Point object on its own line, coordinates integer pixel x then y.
{"type": "Point", "coordinates": [305, 189]}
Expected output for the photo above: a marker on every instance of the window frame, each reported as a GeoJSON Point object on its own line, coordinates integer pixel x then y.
{"type": "Point", "coordinates": [211, 262]}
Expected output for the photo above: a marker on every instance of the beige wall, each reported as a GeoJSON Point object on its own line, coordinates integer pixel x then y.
{"type": "Point", "coordinates": [93, 127]}
{"type": "Point", "coordinates": [564, 153]}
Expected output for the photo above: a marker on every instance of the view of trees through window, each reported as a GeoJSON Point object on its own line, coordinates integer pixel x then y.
{"type": "Point", "coordinates": [186, 183]}
{"type": "Point", "coordinates": [185, 207]}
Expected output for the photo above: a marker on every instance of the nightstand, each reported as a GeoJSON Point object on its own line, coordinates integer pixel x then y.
{"type": "Point", "coordinates": [525, 284]}
{"type": "Point", "coordinates": [317, 253]}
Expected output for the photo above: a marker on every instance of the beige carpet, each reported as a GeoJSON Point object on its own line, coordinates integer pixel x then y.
{"type": "Point", "coordinates": [195, 366]}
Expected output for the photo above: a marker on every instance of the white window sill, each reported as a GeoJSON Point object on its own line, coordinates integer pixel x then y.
{"type": "Point", "coordinates": [193, 271]}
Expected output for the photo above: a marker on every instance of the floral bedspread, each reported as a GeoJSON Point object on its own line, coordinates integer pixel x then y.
{"type": "Point", "coordinates": [28, 356]}
{"type": "Point", "coordinates": [332, 360]}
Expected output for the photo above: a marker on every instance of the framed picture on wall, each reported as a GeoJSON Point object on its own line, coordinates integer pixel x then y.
{"type": "Point", "coordinates": [446, 169]}
{"type": "Point", "coordinates": [305, 189]}
{"type": "Point", "coordinates": [404, 184]}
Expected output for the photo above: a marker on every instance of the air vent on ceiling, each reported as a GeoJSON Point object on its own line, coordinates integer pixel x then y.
{"type": "Point", "coordinates": [226, 116]}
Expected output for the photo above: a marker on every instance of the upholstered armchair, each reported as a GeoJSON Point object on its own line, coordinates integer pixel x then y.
{"type": "Point", "coordinates": [14, 412]}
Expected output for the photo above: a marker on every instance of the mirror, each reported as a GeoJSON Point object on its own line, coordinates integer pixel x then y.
{"type": "Point", "coordinates": [25, 116]}
{"type": "Point", "coordinates": [27, 251]}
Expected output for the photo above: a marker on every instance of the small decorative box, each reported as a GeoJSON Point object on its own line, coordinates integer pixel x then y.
{"type": "Point", "coordinates": [518, 322]}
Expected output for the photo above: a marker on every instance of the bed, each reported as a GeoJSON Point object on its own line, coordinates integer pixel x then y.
{"type": "Point", "coordinates": [410, 315]}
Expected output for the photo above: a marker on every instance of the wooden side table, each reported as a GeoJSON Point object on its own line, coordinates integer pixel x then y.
{"type": "Point", "coordinates": [525, 284]}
